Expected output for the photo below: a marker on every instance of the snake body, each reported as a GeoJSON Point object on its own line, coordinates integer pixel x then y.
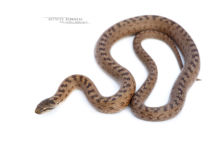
{"type": "Point", "coordinates": [148, 26]}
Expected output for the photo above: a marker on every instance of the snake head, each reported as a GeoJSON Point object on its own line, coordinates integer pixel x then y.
{"type": "Point", "coordinates": [45, 105]}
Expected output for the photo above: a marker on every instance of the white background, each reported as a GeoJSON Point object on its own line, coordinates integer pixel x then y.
{"type": "Point", "coordinates": [36, 55]}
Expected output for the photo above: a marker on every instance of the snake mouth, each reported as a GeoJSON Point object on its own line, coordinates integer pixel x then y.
{"type": "Point", "coordinates": [40, 110]}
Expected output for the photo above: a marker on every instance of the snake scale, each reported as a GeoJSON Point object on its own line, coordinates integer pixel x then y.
{"type": "Point", "coordinates": [147, 26]}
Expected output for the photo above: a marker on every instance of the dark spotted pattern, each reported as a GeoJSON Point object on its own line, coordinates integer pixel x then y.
{"type": "Point", "coordinates": [143, 26]}
{"type": "Point", "coordinates": [184, 81]}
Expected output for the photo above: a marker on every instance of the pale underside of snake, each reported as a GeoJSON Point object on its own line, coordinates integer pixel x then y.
{"type": "Point", "coordinates": [148, 26]}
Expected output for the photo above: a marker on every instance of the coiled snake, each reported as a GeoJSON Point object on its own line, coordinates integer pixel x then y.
{"type": "Point", "coordinates": [148, 26]}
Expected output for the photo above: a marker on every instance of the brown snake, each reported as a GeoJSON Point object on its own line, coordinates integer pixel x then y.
{"type": "Point", "coordinates": [143, 27]}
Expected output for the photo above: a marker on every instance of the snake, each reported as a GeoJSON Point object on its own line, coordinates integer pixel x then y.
{"type": "Point", "coordinates": [142, 27]}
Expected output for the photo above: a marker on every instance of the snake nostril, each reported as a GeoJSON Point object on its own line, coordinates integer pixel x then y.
{"type": "Point", "coordinates": [37, 111]}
